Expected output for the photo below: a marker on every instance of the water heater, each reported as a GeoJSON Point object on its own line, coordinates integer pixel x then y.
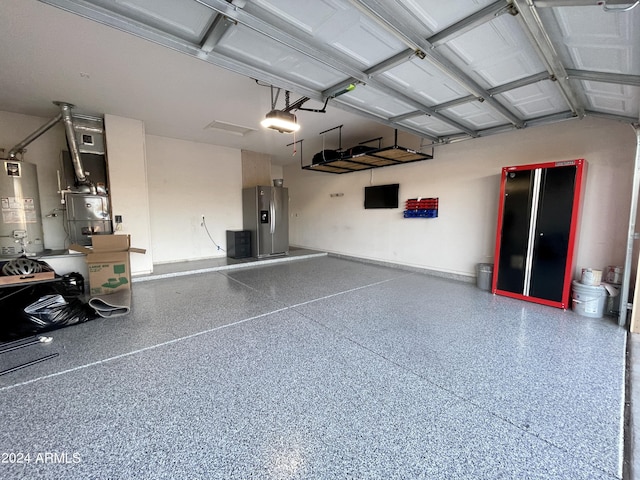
{"type": "Point", "coordinates": [21, 223]}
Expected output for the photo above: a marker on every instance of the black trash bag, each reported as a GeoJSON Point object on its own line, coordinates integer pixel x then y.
{"type": "Point", "coordinates": [360, 149]}
{"type": "Point", "coordinates": [73, 284]}
{"type": "Point", "coordinates": [44, 307]}
{"type": "Point", "coordinates": [325, 156]}
{"type": "Point", "coordinates": [54, 311]}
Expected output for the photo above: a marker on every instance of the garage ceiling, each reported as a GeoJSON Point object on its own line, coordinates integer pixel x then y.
{"type": "Point", "coordinates": [443, 71]}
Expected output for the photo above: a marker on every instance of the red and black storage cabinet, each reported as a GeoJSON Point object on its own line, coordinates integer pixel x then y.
{"type": "Point", "coordinates": [537, 229]}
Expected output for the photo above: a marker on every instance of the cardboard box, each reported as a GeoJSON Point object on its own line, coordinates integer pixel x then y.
{"type": "Point", "coordinates": [108, 263]}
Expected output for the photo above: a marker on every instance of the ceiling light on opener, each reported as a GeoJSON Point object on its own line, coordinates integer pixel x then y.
{"type": "Point", "coordinates": [284, 122]}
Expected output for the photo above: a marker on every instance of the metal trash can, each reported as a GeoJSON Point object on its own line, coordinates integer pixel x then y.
{"type": "Point", "coordinates": [484, 276]}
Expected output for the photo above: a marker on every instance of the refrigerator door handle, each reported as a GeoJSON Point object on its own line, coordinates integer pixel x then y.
{"type": "Point", "coordinates": [272, 208]}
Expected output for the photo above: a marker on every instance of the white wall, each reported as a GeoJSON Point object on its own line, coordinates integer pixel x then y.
{"type": "Point", "coordinates": [466, 178]}
{"type": "Point", "coordinates": [126, 160]}
{"type": "Point", "coordinates": [188, 180]}
{"type": "Point", "coordinates": [160, 186]}
{"type": "Point", "coordinates": [256, 169]}
{"type": "Point", "coordinates": [163, 191]}
{"type": "Point", "coordinates": [277, 171]}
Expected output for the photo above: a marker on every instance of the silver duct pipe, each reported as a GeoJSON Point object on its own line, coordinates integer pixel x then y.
{"type": "Point", "coordinates": [65, 109]}
{"type": "Point", "coordinates": [20, 146]}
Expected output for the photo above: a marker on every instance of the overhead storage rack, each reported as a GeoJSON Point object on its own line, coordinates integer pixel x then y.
{"type": "Point", "coordinates": [346, 161]}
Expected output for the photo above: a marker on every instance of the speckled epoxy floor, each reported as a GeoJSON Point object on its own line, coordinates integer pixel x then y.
{"type": "Point", "coordinates": [320, 368]}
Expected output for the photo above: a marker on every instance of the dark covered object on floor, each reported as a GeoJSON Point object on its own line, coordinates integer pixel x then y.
{"type": "Point", "coordinates": [42, 307]}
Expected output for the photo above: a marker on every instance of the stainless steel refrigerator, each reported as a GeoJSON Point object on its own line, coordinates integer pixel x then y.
{"type": "Point", "coordinates": [265, 212]}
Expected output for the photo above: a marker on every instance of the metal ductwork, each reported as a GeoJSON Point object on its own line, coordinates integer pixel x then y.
{"type": "Point", "coordinates": [87, 210]}
{"type": "Point", "coordinates": [67, 120]}
{"type": "Point", "coordinates": [65, 112]}
{"type": "Point", "coordinates": [20, 146]}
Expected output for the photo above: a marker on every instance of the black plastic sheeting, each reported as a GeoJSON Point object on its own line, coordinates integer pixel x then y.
{"type": "Point", "coordinates": [32, 309]}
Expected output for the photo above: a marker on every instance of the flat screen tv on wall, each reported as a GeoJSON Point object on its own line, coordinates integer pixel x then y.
{"type": "Point", "coordinates": [381, 196]}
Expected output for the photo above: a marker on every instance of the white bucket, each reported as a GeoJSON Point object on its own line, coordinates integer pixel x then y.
{"type": "Point", "coordinates": [591, 276]}
{"type": "Point", "coordinates": [588, 301]}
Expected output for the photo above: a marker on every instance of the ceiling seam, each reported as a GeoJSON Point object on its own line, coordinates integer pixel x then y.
{"type": "Point", "coordinates": [541, 42]}
{"type": "Point", "coordinates": [392, 18]}
{"type": "Point", "coordinates": [317, 53]}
